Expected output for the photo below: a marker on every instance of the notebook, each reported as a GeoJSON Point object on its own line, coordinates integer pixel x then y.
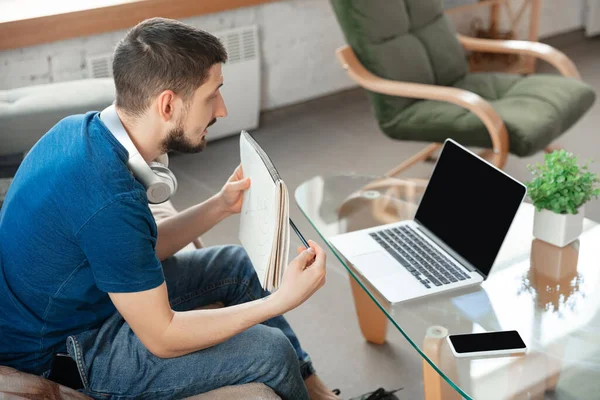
{"type": "Point", "coordinates": [264, 229]}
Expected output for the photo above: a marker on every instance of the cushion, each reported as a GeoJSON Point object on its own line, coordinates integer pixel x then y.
{"type": "Point", "coordinates": [29, 112]}
{"type": "Point", "coordinates": [536, 110]}
{"type": "Point", "coordinates": [402, 40]}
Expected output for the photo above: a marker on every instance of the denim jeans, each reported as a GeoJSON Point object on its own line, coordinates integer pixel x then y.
{"type": "Point", "coordinates": [114, 363]}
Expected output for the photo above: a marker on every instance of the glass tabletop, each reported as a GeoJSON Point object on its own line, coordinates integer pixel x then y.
{"type": "Point", "coordinates": [550, 295]}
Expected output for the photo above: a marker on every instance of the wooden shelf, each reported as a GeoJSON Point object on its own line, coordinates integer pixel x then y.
{"type": "Point", "coordinates": [480, 3]}
{"type": "Point", "coordinates": [525, 64]}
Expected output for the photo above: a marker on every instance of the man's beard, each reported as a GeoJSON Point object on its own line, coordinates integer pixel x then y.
{"type": "Point", "coordinates": [177, 141]}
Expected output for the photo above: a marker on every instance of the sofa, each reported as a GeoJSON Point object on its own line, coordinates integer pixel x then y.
{"type": "Point", "coordinates": [28, 112]}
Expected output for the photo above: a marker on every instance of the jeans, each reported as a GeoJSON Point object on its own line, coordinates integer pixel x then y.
{"type": "Point", "coordinates": [114, 363]}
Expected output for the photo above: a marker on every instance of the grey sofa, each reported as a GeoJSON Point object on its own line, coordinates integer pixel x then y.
{"type": "Point", "coordinates": [27, 113]}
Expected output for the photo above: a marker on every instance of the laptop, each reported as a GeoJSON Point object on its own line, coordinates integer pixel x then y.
{"type": "Point", "coordinates": [458, 229]}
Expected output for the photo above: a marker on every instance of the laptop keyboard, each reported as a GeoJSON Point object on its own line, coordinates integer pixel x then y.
{"type": "Point", "coordinates": [423, 261]}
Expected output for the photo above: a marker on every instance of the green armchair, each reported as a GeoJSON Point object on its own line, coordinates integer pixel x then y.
{"type": "Point", "coordinates": [408, 57]}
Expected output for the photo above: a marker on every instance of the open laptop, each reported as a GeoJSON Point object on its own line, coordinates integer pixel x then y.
{"type": "Point", "coordinates": [460, 224]}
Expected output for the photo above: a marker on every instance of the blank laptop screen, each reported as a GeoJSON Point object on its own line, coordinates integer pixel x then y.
{"type": "Point", "coordinates": [469, 205]}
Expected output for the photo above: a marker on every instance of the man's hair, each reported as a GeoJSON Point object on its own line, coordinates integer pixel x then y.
{"type": "Point", "coordinates": [162, 54]}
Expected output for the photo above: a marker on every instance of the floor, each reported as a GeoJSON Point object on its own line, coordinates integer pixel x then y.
{"type": "Point", "coordinates": [337, 135]}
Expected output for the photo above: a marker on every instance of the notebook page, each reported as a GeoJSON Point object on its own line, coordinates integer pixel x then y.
{"type": "Point", "coordinates": [260, 210]}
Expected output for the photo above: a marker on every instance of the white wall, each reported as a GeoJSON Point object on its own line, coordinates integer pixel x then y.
{"type": "Point", "coordinates": [559, 16]}
{"type": "Point", "coordinates": [297, 38]}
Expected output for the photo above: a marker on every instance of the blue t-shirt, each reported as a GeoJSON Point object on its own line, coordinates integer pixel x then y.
{"type": "Point", "coordinates": [75, 225]}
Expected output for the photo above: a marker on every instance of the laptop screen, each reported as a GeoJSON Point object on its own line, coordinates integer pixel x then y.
{"type": "Point", "coordinates": [469, 205]}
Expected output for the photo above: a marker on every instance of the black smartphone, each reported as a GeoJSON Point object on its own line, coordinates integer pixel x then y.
{"type": "Point", "coordinates": [64, 371]}
{"type": "Point", "coordinates": [487, 344]}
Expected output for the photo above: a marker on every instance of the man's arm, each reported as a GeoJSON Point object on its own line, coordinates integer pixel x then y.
{"type": "Point", "coordinates": [167, 333]}
{"type": "Point", "coordinates": [175, 232]}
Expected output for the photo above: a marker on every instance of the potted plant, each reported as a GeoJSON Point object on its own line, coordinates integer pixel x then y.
{"type": "Point", "coordinates": [559, 190]}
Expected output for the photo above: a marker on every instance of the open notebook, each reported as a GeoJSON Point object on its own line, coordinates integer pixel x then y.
{"type": "Point", "coordinates": [264, 228]}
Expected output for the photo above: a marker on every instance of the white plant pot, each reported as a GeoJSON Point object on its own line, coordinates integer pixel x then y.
{"type": "Point", "coordinates": [558, 229]}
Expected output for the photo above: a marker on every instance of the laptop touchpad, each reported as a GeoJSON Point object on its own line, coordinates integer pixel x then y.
{"type": "Point", "coordinates": [376, 265]}
{"type": "Point", "coordinates": [355, 243]}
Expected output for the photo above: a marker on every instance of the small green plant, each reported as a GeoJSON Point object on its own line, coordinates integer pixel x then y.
{"type": "Point", "coordinates": [560, 184]}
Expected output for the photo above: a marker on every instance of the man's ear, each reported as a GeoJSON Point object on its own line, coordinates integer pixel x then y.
{"type": "Point", "coordinates": [166, 105]}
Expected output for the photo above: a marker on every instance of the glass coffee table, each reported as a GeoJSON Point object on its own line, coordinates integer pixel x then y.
{"type": "Point", "coordinates": [550, 295]}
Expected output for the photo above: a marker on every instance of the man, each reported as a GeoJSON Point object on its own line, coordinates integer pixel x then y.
{"type": "Point", "coordinates": [86, 271]}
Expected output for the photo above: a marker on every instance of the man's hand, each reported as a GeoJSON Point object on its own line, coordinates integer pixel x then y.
{"type": "Point", "coordinates": [232, 194]}
{"type": "Point", "coordinates": [302, 278]}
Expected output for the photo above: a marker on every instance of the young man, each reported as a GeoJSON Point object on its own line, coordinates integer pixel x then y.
{"type": "Point", "coordinates": [85, 270]}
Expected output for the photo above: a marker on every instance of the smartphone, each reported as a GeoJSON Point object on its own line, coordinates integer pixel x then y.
{"type": "Point", "coordinates": [487, 344]}
{"type": "Point", "coordinates": [64, 371]}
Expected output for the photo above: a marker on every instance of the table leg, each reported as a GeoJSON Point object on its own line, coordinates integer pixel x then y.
{"type": "Point", "coordinates": [436, 387]}
{"type": "Point", "coordinates": [536, 374]}
{"type": "Point", "coordinates": [372, 321]}
{"type": "Point", "coordinates": [527, 375]}
{"type": "Point", "coordinates": [554, 366]}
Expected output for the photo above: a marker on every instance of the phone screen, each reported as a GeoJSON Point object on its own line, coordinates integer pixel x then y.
{"type": "Point", "coordinates": [492, 341]}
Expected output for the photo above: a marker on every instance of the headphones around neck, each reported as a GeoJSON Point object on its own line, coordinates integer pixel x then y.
{"type": "Point", "coordinates": [157, 179]}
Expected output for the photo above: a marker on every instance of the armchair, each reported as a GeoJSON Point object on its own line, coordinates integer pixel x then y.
{"type": "Point", "coordinates": [413, 65]}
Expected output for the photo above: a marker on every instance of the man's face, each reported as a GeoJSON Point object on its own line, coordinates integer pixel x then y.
{"type": "Point", "coordinates": [201, 111]}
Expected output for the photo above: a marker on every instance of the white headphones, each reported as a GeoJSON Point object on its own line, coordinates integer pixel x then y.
{"type": "Point", "coordinates": [157, 179]}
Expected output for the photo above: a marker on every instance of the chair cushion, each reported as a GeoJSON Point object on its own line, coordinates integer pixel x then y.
{"type": "Point", "coordinates": [403, 40]}
{"type": "Point", "coordinates": [536, 110]}
{"type": "Point", "coordinates": [29, 112]}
